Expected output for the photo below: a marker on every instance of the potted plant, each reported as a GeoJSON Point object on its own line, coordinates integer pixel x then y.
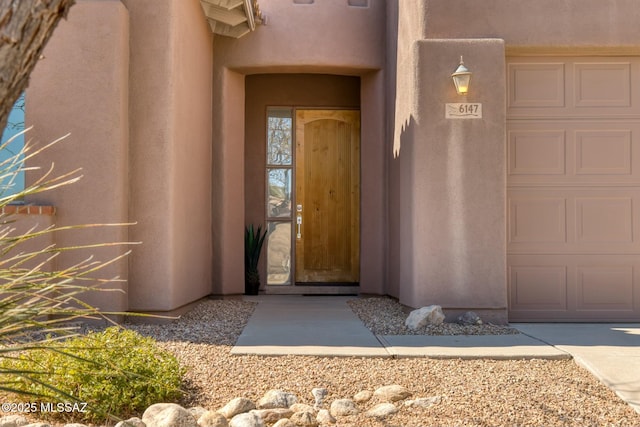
{"type": "Point", "coordinates": [253, 240]}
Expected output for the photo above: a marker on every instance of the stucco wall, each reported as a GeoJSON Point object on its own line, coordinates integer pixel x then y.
{"type": "Point", "coordinates": [296, 39]}
{"type": "Point", "coordinates": [170, 74]}
{"type": "Point", "coordinates": [81, 88]}
{"type": "Point", "coordinates": [131, 81]}
{"type": "Point", "coordinates": [451, 183]}
{"type": "Point", "coordinates": [550, 25]}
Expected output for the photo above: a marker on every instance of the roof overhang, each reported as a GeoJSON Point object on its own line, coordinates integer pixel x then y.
{"type": "Point", "coordinates": [232, 18]}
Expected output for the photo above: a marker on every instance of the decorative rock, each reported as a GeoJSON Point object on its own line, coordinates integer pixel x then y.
{"type": "Point", "coordinates": [272, 415]}
{"type": "Point", "coordinates": [342, 407]}
{"type": "Point", "coordinates": [302, 407]}
{"type": "Point", "coordinates": [469, 318]}
{"type": "Point", "coordinates": [168, 415]}
{"type": "Point", "coordinates": [212, 419]}
{"type": "Point", "coordinates": [431, 315]}
{"type": "Point", "coordinates": [38, 425]}
{"type": "Point", "coordinates": [131, 422]}
{"type": "Point", "coordinates": [319, 394]}
{"type": "Point", "coordinates": [237, 406]}
{"type": "Point", "coordinates": [382, 410]}
{"type": "Point", "coordinates": [277, 399]}
{"type": "Point", "coordinates": [325, 417]}
{"type": "Point", "coordinates": [304, 419]}
{"type": "Point", "coordinates": [363, 396]}
{"type": "Point", "coordinates": [197, 411]}
{"type": "Point", "coordinates": [285, 422]}
{"type": "Point", "coordinates": [392, 393]}
{"type": "Point", "coordinates": [246, 419]}
{"type": "Point", "coordinates": [423, 402]}
{"type": "Point", "coordinates": [13, 421]}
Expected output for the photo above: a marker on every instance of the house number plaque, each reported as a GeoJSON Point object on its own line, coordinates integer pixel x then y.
{"type": "Point", "coordinates": [463, 110]}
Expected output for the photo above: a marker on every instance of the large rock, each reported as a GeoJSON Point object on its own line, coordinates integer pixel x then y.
{"type": "Point", "coordinates": [285, 422]}
{"type": "Point", "coordinates": [469, 318]}
{"type": "Point", "coordinates": [246, 419]}
{"type": "Point", "coordinates": [168, 415]}
{"type": "Point", "coordinates": [343, 407]}
{"type": "Point", "coordinates": [197, 411]}
{"type": "Point", "coordinates": [363, 396]}
{"type": "Point", "coordinates": [423, 402]}
{"type": "Point", "coordinates": [131, 422]}
{"type": "Point", "coordinates": [272, 415]}
{"type": "Point", "coordinates": [277, 399]}
{"type": "Point", "coordinates": [304, 419]}
{"type": "Point", "coordinates": [319, 394]}
{"type": "Point", "coordinates": [237, 406]}
{"type": "Point", "coordinates": [13, 421]}
{"type": "Point", "coordinates": [392, 393]}
{"type": "Point", "coordinates": [382, 410]}
{"type": "Point", "coordinates": [324, 417]}
{"type": "Point", "coordinates": [431, 315]}
{"type": "Point", "coordinates": [212, 419]}
{"type": "Point", "coordinates": [302, 407]}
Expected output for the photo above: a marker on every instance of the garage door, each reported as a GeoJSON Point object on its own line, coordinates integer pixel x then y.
{"type": "Point", "coordinates": [573, 188]}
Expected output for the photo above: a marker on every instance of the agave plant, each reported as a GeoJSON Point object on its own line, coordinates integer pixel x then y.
{"type": "Point", "coordinates": [253, 240]}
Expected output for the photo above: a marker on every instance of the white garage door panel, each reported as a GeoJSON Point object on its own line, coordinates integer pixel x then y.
{"type": "Point", "coordinates": [570, 152]}
{"type": "Point", "coordinates": [573, 220]}
{"type": "Point", "coordinates": [574, 287]}
{"type": "Point", "coordinates": [573, 189]}
{"type": "Point", "coordinates": [572, 87]}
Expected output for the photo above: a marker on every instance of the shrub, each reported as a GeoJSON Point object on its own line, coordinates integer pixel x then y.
{"type": "Point", "coordinates": [116, 372]}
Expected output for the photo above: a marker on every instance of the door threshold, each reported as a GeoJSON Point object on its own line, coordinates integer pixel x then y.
{"type": "Point", "coordinates": [318, 289]}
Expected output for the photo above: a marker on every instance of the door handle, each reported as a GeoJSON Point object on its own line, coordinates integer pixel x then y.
{"type": "Point", "coordinates": [299, 225]}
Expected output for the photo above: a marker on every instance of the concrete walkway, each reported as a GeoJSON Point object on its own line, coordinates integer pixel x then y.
{"type": "Point", "coordinates": [311, 326]}
{"type": "Point", "coordinates": [326, 326]}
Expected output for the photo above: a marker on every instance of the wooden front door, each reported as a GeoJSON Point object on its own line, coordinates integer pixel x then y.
{"type": "Point", "coordinates": [327, 196]}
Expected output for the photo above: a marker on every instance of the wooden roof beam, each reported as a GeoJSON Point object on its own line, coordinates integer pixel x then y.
{"type": "Point", "coordinates": [224, 4]}
{"type": "Point", "coordinates": [231, 17]}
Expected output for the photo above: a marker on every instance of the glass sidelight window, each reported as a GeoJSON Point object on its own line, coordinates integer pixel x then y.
{"type": "Point", "coordinates": [279, 185]}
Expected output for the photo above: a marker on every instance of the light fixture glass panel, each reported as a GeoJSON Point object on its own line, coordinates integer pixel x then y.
{"type": "Point", "coordinates": [279, 192]}
{"type": "Point", "coordinates": [279, 253]}
{"type": "Point", "coordinates": [279, 136]}
{"type": "Point", "coordinates": [462, 83]}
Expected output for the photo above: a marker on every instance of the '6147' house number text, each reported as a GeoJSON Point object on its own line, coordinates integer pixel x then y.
{"type": "Point", "coordinates": [464, 110]}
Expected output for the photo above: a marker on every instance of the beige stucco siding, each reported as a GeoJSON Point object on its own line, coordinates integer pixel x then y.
{"type": "Point", "coordinates": [548, 24]}
{"type": "Point", "coordinates": [81, 87]}
{"type": "Point", "coordinates": [171, 104]}
{"type": "Point", "coordinates": [132, 83]}
{"type": "Point", "coordinates": [447, 185]}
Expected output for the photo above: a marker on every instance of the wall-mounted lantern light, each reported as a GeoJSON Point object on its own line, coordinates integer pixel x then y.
{"type": "Point", "coordinates": [461, 78]}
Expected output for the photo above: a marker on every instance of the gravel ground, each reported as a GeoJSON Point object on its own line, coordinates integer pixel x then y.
{"type": "Point", "coordinates": [385, 316]}
{"type": "Point", "coordinates": [472, 393]}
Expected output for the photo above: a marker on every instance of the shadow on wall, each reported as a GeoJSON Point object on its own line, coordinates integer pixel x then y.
{"type": "Point", "coordinates": [401, 218]}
